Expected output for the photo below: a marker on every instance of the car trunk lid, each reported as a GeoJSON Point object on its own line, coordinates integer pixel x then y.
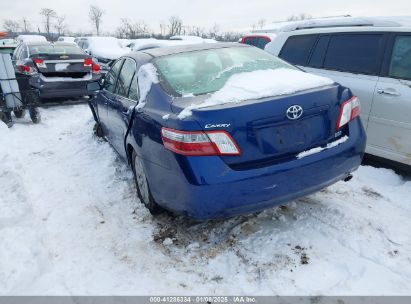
{"type": "Point", "coordinates": [65, 65]}
{"type": "Point", "coordinates": [265, 133]}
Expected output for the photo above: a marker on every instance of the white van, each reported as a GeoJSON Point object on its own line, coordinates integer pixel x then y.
{"type": "Point", "coordinates": [371, 56]}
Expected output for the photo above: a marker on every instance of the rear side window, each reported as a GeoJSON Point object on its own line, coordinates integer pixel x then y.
{"type": "Point", "coordinates": [125, 77]}
{"type": "Point", "coordinates": [297, 49]}
{"type": "Point", "coordinates": [354, 53]}
{"type": "Point", "coordinates": [111, 78]}
{"type": "Point", "coordinates": [400, 66]}
{"type": "Point", "coordinates": [55, 49]}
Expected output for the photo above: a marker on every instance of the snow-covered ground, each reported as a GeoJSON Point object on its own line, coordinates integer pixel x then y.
{"type": "Point", "coordinates": [70, 223]}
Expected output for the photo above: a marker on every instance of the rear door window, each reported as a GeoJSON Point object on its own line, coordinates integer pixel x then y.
{"type": "Point", "coordinates": [124, 79]}
{"type": "Point", "coordinates": [400, 66]}
{"type": "Point", "coordinates": [111, 78]}
{"type": "Point", "coordinates": [297, 49]}
{"type": "Point", "coordinates": [320, 49]}
{"type": "Point", "coordinates": [354, 53]}
{"type": "Point", "coordinates": [133, 92]}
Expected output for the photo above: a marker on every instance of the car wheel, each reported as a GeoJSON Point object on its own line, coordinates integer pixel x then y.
{"type": "Point", "coordinates": [35, 115]}
{"type": "Point", "coordinates": [19, 113]}
{"type": "Point", "coordinates": [143, 189]}
{"type": "Point", "coordinates": [98, 131]}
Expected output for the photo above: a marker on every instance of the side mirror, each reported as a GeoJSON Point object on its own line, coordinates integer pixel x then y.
{"type": "Point", "coordinates": [93, 86]}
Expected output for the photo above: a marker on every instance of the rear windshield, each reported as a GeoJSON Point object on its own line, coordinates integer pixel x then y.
{"type": "Point", "coordinates": [206, 71]}
{"type": "Point", "coordinates": [54, 49]}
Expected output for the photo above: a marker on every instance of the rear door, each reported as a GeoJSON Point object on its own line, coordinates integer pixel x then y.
{"type": "Point", "coordinates": [351, 59]}
{"type": "Point", "coordinates": [120, 108]}
{"type": "Point", "coordinates": [107, 96]}
{"type": "Point", "coordinates": [389, 130]}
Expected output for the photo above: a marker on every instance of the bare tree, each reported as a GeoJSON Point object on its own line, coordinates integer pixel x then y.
{"type": "Point", "coordinates": [213, 32]}
{"type": "Point", "coordinates": [261, 23]}
{"type": "Point", "coordinates": [96, 15]}
{"type": "Point", "coordinates": [11, 26]}
{"type": "Point", "coordinates": [61, 25]}
{"type": "Point", "coordinates": [199, 31]}
{"type": "Point", "coordinates": [130, 30]}
{"type": "Point", "coordinates": [25, 25]}
{"type": "Point", "coordinates": [175, 26]}
{"type": "Point", "coordinates": [48, 15]}
{"type": "Point", "coordinates": [302, 16]}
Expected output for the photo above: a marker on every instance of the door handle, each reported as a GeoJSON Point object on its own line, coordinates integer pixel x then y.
{"type": "Point", "coordinates": [390, 93]}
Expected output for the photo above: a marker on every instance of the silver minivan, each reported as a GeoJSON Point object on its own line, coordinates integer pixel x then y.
{"type": "Point", "coordinates": [371, 56]}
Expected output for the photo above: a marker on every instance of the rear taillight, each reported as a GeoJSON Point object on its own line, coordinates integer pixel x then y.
{"type": "Point", "coordinates": [350, 109]}
{"type": "Point", "coordinates": [26, 69]}
{"type": "Point", "coordinates": [40, 63]}
{"type": "Point", "coordinates": [96, 68]}
{"type": "Point", "coordinates": [198, 143]}
{"type": "Point", "coordinates": [88, 62]}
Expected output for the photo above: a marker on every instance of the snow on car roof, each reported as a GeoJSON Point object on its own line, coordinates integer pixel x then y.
{"type": "Point", "coordinates": [288, 26]}
{"type": "Point", "coordinates": [29, 38]}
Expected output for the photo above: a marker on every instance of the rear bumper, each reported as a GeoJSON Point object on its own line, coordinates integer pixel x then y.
{"type": "Point", "coordinates": [65, 89]}
{"type": "Point", "coordinates": [206, 188]}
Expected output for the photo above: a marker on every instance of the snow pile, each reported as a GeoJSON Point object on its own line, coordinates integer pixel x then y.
{"type": "Point", "coordinates": [319, 149]}
{"type": "Point", "coordinates": [3, 128]}
{"type": "Point", "coordinates": [260, 84]}
{"type": "Point", "coordinates": [71, 224]}
{"type": "Point", "coordinates": [147, 75]}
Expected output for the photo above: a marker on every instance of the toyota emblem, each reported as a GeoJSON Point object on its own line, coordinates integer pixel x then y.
{"type": "Point", "coordinates": [294, 112]}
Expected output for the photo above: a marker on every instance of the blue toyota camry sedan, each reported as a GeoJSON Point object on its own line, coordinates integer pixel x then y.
{"type": "Point", "coordinates": [218, 130]}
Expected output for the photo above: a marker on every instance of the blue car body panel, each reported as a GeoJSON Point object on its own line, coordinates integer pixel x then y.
{"type": "Point", "coordinates": [267, 172]}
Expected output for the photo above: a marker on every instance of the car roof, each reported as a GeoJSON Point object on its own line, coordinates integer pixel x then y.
{"type": "Point", "coordinates": [347, 23]}
{"type": "Point", "coordinates": [170, 50]}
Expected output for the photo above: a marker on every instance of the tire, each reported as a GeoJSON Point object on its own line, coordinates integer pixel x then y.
{"type": "Point", "coordinates": [98, 131]}
{"type": "Point", "coordinates": [35, 115]}
{"type": "Point", "coordinates": [143, 189]}
{"type": "Point", "coordinates": [19, 113]}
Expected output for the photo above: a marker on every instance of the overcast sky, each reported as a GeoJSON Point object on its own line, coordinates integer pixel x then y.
{"type": "Point", "coordinates": [228, 14]}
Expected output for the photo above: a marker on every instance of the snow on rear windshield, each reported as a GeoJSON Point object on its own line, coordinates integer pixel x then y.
{"type": "Point", "coordinates": [207, 71]}
{"type": "Point", "coordinates": [54, 49]}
